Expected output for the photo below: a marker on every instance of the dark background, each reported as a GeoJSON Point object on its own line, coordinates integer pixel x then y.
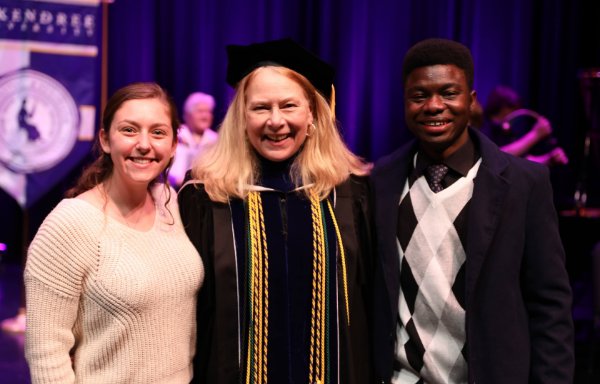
{"type": "Point", "coordinates": [536, 47]}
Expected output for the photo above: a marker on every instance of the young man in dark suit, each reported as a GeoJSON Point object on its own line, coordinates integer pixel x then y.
{"type": "Point", "coordinates": [470, 282]}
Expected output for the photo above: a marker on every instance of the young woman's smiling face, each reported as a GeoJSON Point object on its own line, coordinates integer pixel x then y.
{"type": "Point", "coordinates": [140, 141]}
{"type": "Point", "coordinates": [277, 114]}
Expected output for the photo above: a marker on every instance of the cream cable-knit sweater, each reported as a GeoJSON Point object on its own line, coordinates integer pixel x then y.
{"type": "Point", "coordinates": [123, 302]}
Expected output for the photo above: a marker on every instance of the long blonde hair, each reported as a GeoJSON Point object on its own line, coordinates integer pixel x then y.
{"type": "Point", "coordinates": [324, 161]}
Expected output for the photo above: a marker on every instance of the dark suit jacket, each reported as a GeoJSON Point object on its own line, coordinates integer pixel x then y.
{"type": "Point", "coordinates": [518, 297]}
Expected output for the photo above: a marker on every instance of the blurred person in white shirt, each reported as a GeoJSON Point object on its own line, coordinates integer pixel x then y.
{"type": "Point", "coordinates": [194, 136]}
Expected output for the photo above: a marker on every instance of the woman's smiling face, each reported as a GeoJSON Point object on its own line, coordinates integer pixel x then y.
{"type": "Point", "coordinates": [140, 141]}
{"type": "Point", "coordinates": [277, 114]}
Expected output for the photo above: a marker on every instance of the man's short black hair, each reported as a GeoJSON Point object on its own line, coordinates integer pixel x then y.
{"type": "Point", "coordinates": [438, 51]}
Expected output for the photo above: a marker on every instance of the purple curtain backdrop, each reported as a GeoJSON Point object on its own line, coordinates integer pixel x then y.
{"type": "Point", "coordinates": [534, 46]}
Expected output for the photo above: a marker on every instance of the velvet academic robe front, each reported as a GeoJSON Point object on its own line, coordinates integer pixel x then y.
{"type": "Point", "coordinates": [221, 350]}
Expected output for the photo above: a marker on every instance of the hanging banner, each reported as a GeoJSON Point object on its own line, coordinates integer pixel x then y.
{"type": "Point", "coordinates": [49, 91]}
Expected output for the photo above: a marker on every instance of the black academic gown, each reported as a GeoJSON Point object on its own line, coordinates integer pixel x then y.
{"type": "Point", "coordinates": [211, 226]}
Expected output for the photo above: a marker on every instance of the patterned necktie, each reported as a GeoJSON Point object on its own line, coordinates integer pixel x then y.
{"type": "Point", "coordinates": [435, 174]}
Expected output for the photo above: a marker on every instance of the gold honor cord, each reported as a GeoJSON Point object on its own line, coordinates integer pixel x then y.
{"type": "Point", "coordinates": [316, 371]}
{"type": "Point", "coordinates": [256, 368]}
{"type": "Point", "coordinates": [265, 280]}
{"type": "Point", "coordinates": [256, 362]}
{"type": "Point", "coordinates": [343, 257]}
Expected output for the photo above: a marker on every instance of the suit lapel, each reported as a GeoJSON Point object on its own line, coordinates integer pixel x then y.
{"type": "Point", "coordinates": [488, 202]}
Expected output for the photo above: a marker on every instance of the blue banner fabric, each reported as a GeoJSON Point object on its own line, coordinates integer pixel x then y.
{"type": "Point", "coordinates": [49, 91]}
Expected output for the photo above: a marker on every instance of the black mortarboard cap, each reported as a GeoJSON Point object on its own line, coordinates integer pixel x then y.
{"type": "Point", "coordinates": [243, 59]}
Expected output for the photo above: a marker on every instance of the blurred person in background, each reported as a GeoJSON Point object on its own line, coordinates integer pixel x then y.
{"type": "Point", "coordinates": [194, 136]}
{"type": "Point", "coordinates": [519, 131]}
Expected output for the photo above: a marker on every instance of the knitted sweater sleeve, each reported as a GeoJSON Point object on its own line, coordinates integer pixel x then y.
{"type": "Point", "coordinates": [57, 261]}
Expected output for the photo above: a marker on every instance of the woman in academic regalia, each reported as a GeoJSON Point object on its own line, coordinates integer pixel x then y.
{"type": "Point", "coordinates": [278, 210]}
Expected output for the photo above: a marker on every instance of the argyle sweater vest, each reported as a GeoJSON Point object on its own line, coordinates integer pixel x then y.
{"type": "Point", "coordinates": [430, 334]}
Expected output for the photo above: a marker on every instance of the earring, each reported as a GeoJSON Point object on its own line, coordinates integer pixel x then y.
{"type": "Point", "coordinates": [309, 131]}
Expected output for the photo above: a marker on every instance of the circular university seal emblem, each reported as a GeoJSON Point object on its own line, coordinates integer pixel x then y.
{"type": "Point", "coordinates": [39, 121]}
